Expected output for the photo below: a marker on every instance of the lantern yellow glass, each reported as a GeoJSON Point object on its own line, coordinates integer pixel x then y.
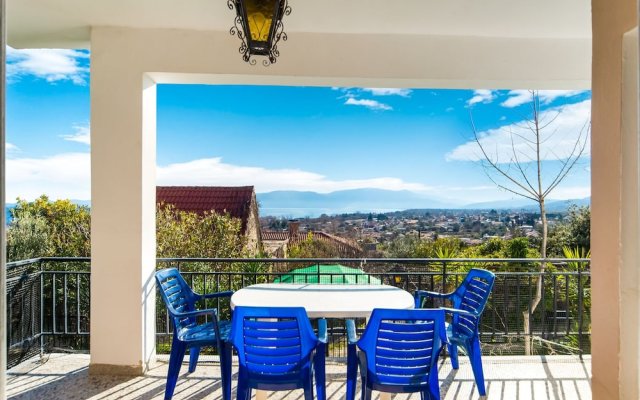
{"type": "Point", "coordinates": [260, 15]}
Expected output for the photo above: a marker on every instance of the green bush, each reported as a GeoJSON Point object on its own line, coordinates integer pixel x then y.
{"type": "Point", "coordinates": [45, 228]}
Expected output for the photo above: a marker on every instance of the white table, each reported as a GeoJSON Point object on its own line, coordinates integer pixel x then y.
{"type": "Point", "coordinates": [324, 301]}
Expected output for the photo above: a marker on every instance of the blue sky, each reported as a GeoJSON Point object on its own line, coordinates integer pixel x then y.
{"type": "Point", "coordinates": [285, 138]}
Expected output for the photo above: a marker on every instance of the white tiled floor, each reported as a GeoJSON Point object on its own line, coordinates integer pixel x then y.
{"type": "Point", "coordinates": [65, 376]}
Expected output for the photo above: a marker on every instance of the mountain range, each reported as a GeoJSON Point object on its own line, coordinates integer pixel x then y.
{"type": "Point", "coordinates": [301, 204]}
{"type": "Point", "coordinates": [298, 204]}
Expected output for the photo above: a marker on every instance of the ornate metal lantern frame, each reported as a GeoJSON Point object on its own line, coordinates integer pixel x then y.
{"type": "Point", "coordinates": [249, 47]}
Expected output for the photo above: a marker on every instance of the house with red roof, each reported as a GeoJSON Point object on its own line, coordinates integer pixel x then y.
{"type": "Point", "coordinates": [237, 201]}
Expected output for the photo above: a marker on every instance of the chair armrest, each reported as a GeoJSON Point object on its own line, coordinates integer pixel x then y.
{"type": "Point", "coordinates": [426, 293]}
{"type": "Point", "coordinates": [214, 295]}
{"type": "Point", "coordinates": [322, 330]}
{"type": "Point", "coordinates": [189, 314]}
{"type": "Point", "coordinates": [351, 332]}
{"type": "Point", "coordinates": [419, 295]}
{"type": "Point", "coordinates": [461, 312]}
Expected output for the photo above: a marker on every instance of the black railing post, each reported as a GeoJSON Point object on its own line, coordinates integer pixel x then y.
{"type": "Point", "coordinates": [555, 306]}
{"type": "Point", "coordinates": [53, 303]}
{"type": "Point", "coordinates": [544, 307]}
{"type": "Point", "coordinates": [444, 276]}
{"type": "Point", "coordinates": [66, 309]}
{"type": "Point", "coordinates": [580, 309]}
{"type": "Point", "coordinates": [530, 311]}
{"type": "Point", "coordinates": [40, 267]}
{"type": "Point", "coordinates": [78, 304]}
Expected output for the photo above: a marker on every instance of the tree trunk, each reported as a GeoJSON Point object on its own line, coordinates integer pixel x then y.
{"type": "Point", "coordinates": [538, 293]}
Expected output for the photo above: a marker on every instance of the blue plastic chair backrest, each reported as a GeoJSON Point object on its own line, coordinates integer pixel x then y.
{"type": "Point", "coordinates": [402, 346]}
{"type": "Point", "coordinates": [177, 295]}
{"type": "Point", "coordinates": [472, 295]}
{"type": "Point", "coordinates": [272, 340]}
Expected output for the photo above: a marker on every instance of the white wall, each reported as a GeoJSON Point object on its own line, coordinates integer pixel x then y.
{"type": "Point", "coordinates": [127, 63]}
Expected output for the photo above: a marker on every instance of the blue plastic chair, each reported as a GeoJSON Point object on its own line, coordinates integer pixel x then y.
{"type": "Point", "coordinates": [398, 353]}
{"type": "Point", "coordinates": [468, 302]}
{"type": "Point", "coordinates": [188, 333]}
{"type": "Point", "coordinates": [278, 350]}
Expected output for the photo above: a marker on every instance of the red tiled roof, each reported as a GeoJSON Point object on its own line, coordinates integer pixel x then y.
{"type": "Point", "coordinates": [275, 235]}
{"type": "Point", "coordinates": [345, 246]}
{"type": "Point", "coordinates": [236, 201]}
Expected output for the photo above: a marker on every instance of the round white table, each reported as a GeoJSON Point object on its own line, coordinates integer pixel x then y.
{"type": "Point", "coordinates": [325, 301]}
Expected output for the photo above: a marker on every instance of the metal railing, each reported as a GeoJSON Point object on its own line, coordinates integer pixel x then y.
{"type": "Point", "coordinates": [48, 298]}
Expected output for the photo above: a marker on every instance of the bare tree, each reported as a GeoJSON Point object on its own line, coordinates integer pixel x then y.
{"type": "Point", "coordinates": [521, 172]}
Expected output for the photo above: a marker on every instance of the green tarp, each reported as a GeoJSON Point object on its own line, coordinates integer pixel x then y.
{"type": "Point", "coordinates": [329, 274]}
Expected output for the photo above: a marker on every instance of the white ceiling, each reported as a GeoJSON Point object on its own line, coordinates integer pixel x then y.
{"type": "Point", "coordinates": [67, 23]}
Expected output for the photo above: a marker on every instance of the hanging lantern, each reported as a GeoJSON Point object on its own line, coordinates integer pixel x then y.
{"type": "Point", "coordinates": [258, 24]}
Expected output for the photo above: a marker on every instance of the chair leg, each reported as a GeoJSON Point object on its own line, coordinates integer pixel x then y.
{"type": "Point", "coordinates": [452, 349]}
{"type": "Point", "coordinates": [320, 374]}
{"type": "Point", "coordinates": [225, 366]}
{"type": "Point", "coordinates": [352, 371]}
{"type": "Point", "coordinates": [366, 393]}
{"type": "Point", "coordinates": [427, 395]}
{"type": "Point", "coordinates": [307, 385]}
{"type": "Point", "coordinates": [363, 384]}
{"type": "Point", "coordinates": [194, 353]}
{"type": "Point", "coordinates": [475, 355]}
{"type": "Point", "coordinates": [433, 391]}
{"type": "Point", "coordinates": [242, 391]}
{"type": "Point", "coordinates": [175, 362]}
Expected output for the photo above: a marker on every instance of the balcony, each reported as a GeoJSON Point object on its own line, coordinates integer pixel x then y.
{"type": "Point", "coordinates": [49, 314]}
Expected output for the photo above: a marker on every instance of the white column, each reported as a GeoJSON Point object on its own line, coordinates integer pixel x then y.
{"type": "Point", "coordinates": [123, 153]}
{"type": "Point", "coordinates": [629, 269]}
{"type": "Point", "coordinates": [609, 197]}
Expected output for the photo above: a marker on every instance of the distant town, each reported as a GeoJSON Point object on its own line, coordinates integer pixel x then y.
{"type": "Point", "coordinates": [472, 227]}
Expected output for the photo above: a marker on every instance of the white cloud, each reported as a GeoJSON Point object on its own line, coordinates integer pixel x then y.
{"type": "Point", "coordinates": [81, 135]}
{"type": "Point", "coordinates": [68, 175]}
{"type": "Point", "coordinates": [10, 147]}
{"type": "Point", "coordinates": [49, 64]}
{"type": "Point", "coordinates": [449, 109]}
{"type": "Point", "coordinates": [388, 91]}
{"type": "Point", "coordinates": [445, 189]}
{"type": "Point", "coordinates": [481, 96]}
{"type": "Point", "coordinates": [558, 138]}
{"type": "Point", "coordinates": [519, 97]}
{"type": "Point", "coordinates": [62, 176]}
{"type": "Point", "coordinates": [571, 192]}
{"type": "Point", "coordinates": [371, 104]}
{"type": "Point", "coordinates": [214, 172]}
